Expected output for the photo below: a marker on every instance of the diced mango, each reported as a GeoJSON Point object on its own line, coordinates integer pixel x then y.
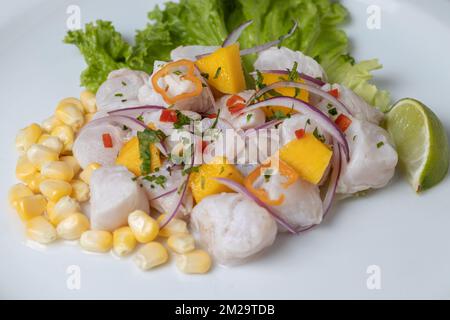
{"type": "Point", "coordinates": [203, 183]}
{"type": "Point", "coordinates": [130, 157]}
{"type": "Point", "coordinates": [270, 78]}
{"type": "Point", "coordinates": [224, 69]}
{"type": "Point", "coordinates": [308, 156]}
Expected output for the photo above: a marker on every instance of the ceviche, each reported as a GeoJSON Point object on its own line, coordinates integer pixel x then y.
{"type": "Point", "coordinates": [212, 152]}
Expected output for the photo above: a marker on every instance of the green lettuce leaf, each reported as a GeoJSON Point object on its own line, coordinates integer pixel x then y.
{"type": "Point", "coordinates": [104, 50]}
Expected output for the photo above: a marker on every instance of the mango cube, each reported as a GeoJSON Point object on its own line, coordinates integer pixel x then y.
{"type": "Point", "coordinates": [130, 157]}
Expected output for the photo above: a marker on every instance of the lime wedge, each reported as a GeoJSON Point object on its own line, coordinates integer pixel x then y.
{"type": "Point", "coordinates": [421, 142]}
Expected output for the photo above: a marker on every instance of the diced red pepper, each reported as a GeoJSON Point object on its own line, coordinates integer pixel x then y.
{"type": "Point", "coordinates": [168, 115]}
{"type": "Point", "coordinates": [234, 100]}
{"type": "Point", "coordinates": [334, 93]}
{"type": "Point", "coordinates": [107, 141]}
{"type": "Point", "coordinates": [238, 107]}
{"type": "Point", "coordinates": [212, 116]}
{"type": "Point", "coordinates": [300, 133]}
{"type": "Point", "coordinates": [343, 122]}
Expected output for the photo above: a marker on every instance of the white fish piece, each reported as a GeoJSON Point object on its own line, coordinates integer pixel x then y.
{"type": "Point", "coordinates": [260, 145]}
{"type": "Point", "coordinates": [284, 58]}
{"type": "Point", "coordinates": [247, 120]}
{"type": "Point", "coordinates": [358, 107]}
{"type": "Point", "coordinates": [297, 122]}
{"type": "Point", "coordinates": [372, 158]}
{"type": "Point", "coordinates": [153, 118]}
{"type": "Point", "coordinates": [191, 52]}
{"type": "Point", "coordinates": [302, 205]}
{"type": "Point", "coordinates": [89, 147]}
{"type": "Point", "coordinates": [168, 203]}
{"type": "Point", "coordinates": [232, 228]}
{"type": "Point", "coordinates": [120, 90]}
{"type": "Point", "coordinates": [114, 195]}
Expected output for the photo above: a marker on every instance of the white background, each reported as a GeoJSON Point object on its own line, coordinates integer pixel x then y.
{"type": "Point", "coordinates": [406, 235]}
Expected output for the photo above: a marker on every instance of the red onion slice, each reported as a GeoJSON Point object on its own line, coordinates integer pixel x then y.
{"type": "Point", "coordinates": [334, 179]}
{"type": "Point", "coordinates": [233, 185]}
{"type": "Point", "coordinates": [127, 121]}
{"type": "Point", "coordinates": [313, 89]}
{"type": "Point", "coordinates": [270, 44]}
{"type": "Point", "coordinates": [267, 125]}
{"type": "Point", "coordinates": [168, 193]}
{"type": "Point", "coordinates": [324, 122]}
{"type": "Point", "coordinates": [135, 111]}
{"type": "Point", "coordinates": [303, 76]}
{"type": "Point", "coordinates": [234, 36]}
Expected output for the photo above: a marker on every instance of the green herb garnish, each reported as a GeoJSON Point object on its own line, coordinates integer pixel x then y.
{"type": "Point", "coordinates": [205, 75]}
{"type": "Point", "coordinates": [146, 139]}
{"type": "Point", "coordinates": [118, 94]}
{"type": "Point", "coordinates": [218, 71]}
{"type": "Point", "coordinates": [158, 180]}
{"type": "Point", "coordinates": [333, 112]}
{"type": "Point", "coordinates": [182, 120]}
{"type": "Point", "coordinates": [380, 144]}
{"type": "Point", "coordinates": [316, 134]}
{"type": "Point", "coordinates": [293, 73]}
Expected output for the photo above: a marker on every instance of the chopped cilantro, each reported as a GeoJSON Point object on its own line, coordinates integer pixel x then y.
{"type": "Point", "coordinates": [293, 73]}
{"type": "Point", "coordinates": [249, 117]}
{"type": "Point", "coordinates": [191, 170]}
{"type": "Point", "coordinates": [177, 73]}
{"type": "Point", "coordinates": [205, 75]}
{"type": "Point", "coordinates": [182, 120]}
{"type": "Point", "coordinates": [146, 138]}
{"type": "Point", "coordinates": [158, 180]}
{"type": "Point", "coordinates": [214, 125]}
{"type": "Point", "coordinates": [124, 83]}
{"type": "Point", "coordinates": [333, 112]}
{"type": "Point", "coordinates": [140, 118]}
{"type": "Point", "coordinates": [380, 144]}
{"type": "Point", "coordinates": [259, 80]}
{"type": "Point", "coordinates": [218, 71]}
{"type": "Point", "coordinates": [118, 94]}
{"type": "Point", "coordinates": [318, 135]}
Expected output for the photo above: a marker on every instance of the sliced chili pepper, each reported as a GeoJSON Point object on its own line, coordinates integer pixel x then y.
{"type": "Point", "coordinates": [300, 133]}
{"type": "Point", "coordinates": [107, 141]}
{"type": "Point", "coordinates": [343, 122]}
{"type": "Point", "coordinates": [334, 93]}
{"type": "Point", "coordinates": [234, 100]}
{"type": "Point", "coordinates": [238, 107]}
{"type": "Point", "coordinates": [283, 169]}
{"type": "Point", "coordinates": [188, 69]}
{"type": "Point", "coordinates": [168, 115]}
{"type": "Point", "coordinates": [212, 116]}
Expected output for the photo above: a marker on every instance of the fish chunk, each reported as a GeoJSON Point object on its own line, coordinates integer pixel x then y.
{"type": "Point", "coordinates": [232, 227]}
{"type": "Point", "coordinates": [114, 195]}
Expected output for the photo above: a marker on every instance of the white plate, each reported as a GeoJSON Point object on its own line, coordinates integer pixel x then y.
{"type": "Point", "coordinates": [405, 235]}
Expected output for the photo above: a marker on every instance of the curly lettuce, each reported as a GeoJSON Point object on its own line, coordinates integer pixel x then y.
{"type": "Point", "coordinates": [207, 22]}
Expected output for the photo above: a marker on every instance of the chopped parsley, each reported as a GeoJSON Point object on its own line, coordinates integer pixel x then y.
{"type": "Point", "coordinates": [205, 75]}
{"type": "Point", "coordinates": [293, 73]}
{"type": "Point", "coordinates": [157, 180]}
{"type": "Point", "coordinates": [182, 120]}
{"type": "Point", "coordinates": [140, 118]}
{"type": "Point", "coordinates": [218, 71]}
{"type": "Point", "coordinates": [191, 170]}
{"type": "Point", "coordinates": [259, 80]}
{"type": "Point", "coordinates": [124, 83]}
{"type": "Point", "coordinates": [333, 112]}
{"type": "Point", "coordinates": [316, 134]}
{"type": "Point", "coordinates": [249, 117]}
{"type": "Point", "coordinates": [380, 144]}
{"type": "Point", "coordinates": [146, 139]}
{"type": "Point", "coordinates": [279, 115]}
{"type": "Point", "coordinates": [118, 94]}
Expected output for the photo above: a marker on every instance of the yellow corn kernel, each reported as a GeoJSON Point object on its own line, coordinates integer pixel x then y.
{"type": "Point", "coordinates": [31, 206]}
{"type": "Point", "coordinates": [57, 170]}
{"type": "Point", "coordinates": [80, 191]}
{"type": "Point", "coordinates": [73, 162]}
{"type": "Point", "coordinates": [96, 241]}
{"type": "Point", "coordinates": [72, 227]}
{"type": "Point", "coordinates": [51, 142]}
{"type": "Point", "coordinates": [151, 255]}
{"type": "Point", "coordinates": [54, 190]}
{"type": "Point", "coordinates": [195, 262]}
{"type": "Point", "coordinates": [51, 123]}
{"type": "Point", "coordinates": [50, 210]}
{"type": "Point", "coordinates": [88, 101]}
{"type": "Point", "coordinates": [62, 209]}
{"type": "Point", "coordinates": [124, 241]}
{"type": "Point", "coordinates": [27, 137]}
{"type": "Point", "coordinates": [40, 155]}
{"type": "Point", "coordinates": [144, 227]}
{"type": "Point", "coordinates": [17, 192]}
{"type": "Point", "coordinates": [34, 182]}
{"type": "Point", "coordinates": [89, 117]}
{"type": "Point", "coordinates": [70, 115]}
{"type": "Point", "coordinates": [175, 226]}
{"type": "Point", "coordinates": [40, 230]}
{"type": "Point", "coordinates": [181, 243]}
{"type": "Point", "coordinates": [66, 135]}
{"type": "Point", "coordinates": [25, 169]}
{"type": "Point", "coordinates": [71, 101]}
{"type": "Point", "coordinates": [86, 174]}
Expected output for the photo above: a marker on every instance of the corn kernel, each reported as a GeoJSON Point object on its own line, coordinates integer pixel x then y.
{"type": "Point", "coordinates": [40, 230]}
{"type": "Point", "coordinates": [57, 170]}
{"type": "Point", "coordinates": [71, 116]}
{"type": "Point", "coordinates": [144, 227]}
{"type": "Point", "coordinates": [72, 227]}
{"type": "Point", "coordinates": [88, 101]}
{"type": "Point", "coordinates": [51, 142]}
{"type": "Point", "coordinates": [31, 206]}
{"type": "Point", "coordinates": [25, 169]}
{"type": "Point", "coordinates": [27, 137]}
{"type": "Point", "coordinates": [124, 241]}
{"type": "Point", "coordinates": [181, 243]}
{"type": "Point", "coordinates": [89, 117]}
{"type": "Point", "coordinates": [96, 241]}
{"type": "Point", "coordinates": [51, 123]}
{"type": "Point", "coordinates": [80, 191]}
{"type": "Point", "coordinates": [62, 209]}
{"type": "Point", "coordinates": [40, 155]}
{"type": "Point", "coordinates": [73, 162]}
{"type": "Point", "coordinates": [50, 210]}
{"type": "Point", "coordinates": [86, 174]}
{"type": "Point", "coordinates": [54, 190]}
{"type": "Point", "coordinates": [17, 192]}
{"type": "Point", "coordinates": [151, 255]}
{"type": "Point", "coordinates": [66, 135]}
{"type": "Point", "coordinates": [195, 262]}
{"type": "Point", "coordinates": [175, 226]}
{"type": "Point", "coordinates": [71, 101]}
{"type": "Point", "coordinates": [34, 182]}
